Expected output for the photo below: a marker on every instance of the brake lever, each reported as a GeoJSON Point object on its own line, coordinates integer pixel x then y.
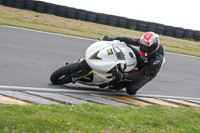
{"type": "Point", "coordinates": [99, 39]}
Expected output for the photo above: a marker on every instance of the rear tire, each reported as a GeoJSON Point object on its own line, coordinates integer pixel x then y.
{"type": "Point", "coordinates": [64, 74]}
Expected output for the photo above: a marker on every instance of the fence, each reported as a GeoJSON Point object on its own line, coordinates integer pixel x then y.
{"type": "Point", "coordinates": [106, 19]}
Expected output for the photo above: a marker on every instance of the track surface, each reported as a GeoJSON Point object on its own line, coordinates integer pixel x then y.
{"type": "Point", "coordinates": [27, 58]}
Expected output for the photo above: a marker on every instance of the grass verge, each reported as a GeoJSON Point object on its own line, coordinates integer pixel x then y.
{"type": "Point", "coordinates": [95, 118]}
{"type": "Point", "coordinates": [50, 23]}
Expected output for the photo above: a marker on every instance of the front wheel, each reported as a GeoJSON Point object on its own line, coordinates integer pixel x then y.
{"type": "Point", "coordinates": [64, 74]}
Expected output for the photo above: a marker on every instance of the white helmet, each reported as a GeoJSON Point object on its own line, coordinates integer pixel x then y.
{"type": "Point", "coordinates": [149, 43]}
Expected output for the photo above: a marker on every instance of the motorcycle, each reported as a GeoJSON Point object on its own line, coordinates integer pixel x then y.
{"type": "Point", "coordinates": [102, 58]}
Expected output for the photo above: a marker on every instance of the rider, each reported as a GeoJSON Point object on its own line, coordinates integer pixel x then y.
{"type": "Point", "coordinates": [150, 57]}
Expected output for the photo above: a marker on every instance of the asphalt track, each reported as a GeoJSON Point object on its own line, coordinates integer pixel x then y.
{"type": "Point", "coordinates": [27, 59]}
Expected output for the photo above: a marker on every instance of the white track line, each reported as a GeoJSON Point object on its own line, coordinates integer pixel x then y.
{"type": "Point", "coordinates": [44, 32]}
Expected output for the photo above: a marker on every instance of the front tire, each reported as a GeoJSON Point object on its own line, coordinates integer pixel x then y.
{"type": "Point", "coordinates": [64, 74]}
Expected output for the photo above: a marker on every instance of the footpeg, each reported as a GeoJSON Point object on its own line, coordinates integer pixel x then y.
{"type": "Point", "coordinates": [74, 79]}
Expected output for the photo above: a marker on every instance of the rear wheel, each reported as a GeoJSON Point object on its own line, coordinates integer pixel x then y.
{"type": "Point", "coordinates": [65, 74]}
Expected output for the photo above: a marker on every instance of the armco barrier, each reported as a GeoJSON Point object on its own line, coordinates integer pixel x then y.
{"type": "Point", "coordinates": [106, 19]}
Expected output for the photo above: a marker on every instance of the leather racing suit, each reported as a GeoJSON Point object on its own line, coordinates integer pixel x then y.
{"type": "Point", "coordinates": [148, 66]}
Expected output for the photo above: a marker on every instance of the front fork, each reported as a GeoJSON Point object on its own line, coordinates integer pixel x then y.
{"type": "Point", "coordinates": [83, 73]}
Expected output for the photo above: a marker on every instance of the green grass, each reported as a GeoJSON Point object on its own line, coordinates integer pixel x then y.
{"type": "Point", "coordinates": [95, 118]}
{"type": "Point", "coordinates": [50, 23]}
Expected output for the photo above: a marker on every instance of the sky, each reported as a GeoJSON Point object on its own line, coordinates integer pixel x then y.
{"type": "Point", "coordinates": [177, 13]}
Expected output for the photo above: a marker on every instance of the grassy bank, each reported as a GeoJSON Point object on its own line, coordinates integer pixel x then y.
{"type": "Point", "coordinates": [50, 23]}
{"type": "Point", "coordinates": [94, 118]}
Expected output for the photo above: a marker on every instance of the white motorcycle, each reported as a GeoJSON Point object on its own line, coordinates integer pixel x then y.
{"type": "Point", "coordinates": [102, 58]}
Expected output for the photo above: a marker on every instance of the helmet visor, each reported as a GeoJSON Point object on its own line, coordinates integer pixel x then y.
{"type": "Point", "coordinates": [148, 49]}
{"type": "Point", "coordinates": [143, 48]}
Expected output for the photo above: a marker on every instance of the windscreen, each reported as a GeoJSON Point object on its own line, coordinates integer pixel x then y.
{"type": "Point", "coordinates": [118, 48]}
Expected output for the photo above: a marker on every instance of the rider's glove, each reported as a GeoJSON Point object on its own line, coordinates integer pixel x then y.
{"type": "Point", "coordinates": [107, 38]}
{"type": "Point", "coordinates": [118, 76]}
